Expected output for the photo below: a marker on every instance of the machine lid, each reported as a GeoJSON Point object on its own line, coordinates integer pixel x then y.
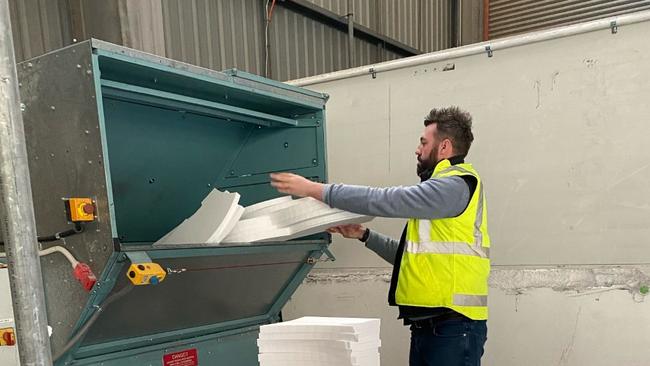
{"type": "Point", "coordinates": [208, 290]}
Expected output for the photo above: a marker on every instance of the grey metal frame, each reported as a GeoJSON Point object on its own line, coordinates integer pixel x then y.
{"type": "Point", "coordinates": [17, 212]}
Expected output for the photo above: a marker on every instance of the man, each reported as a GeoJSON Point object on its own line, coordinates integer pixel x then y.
{"type": "Point", "coordinates": [441, 263]}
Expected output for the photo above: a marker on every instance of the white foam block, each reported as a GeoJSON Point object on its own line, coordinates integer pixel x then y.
{"type": "Point", "coordinates": [341, 336]}
{"type": "Point", "coordinates": [227, 225]}
{"type": "Point", "coordinates": [370, 362]}
{"type": "Point", "coordinates": [344, 348]}
{"type": "Point", "coordinates": [289, 219]}
{"type": "Point", "coordinates": [221, 220]}
{"type": "Point", "coordinates": [319, 363]}
{"type": "Point", "coordinates": [264, 207]}
{"type": "Point", "coordinates": [320, 341]}
{"type": "Point", "coordinates": [320, 224]}
{"type": "Point", "coordinates": [318, 356]}
{"type": "Point", "coordinates": [329, 324]}
{"type": "Point", "coordinates": [210, 222]}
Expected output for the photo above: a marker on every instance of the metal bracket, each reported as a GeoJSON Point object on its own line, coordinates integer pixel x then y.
{"type": "Point", "coordinates": [138, 257]}
{"type": "Point", "coordinates": [449, 67]}
{"type": "Point", "coordinates": [326, 251]}
{"type": "Point", "coordinates": [329, 254]}
{"type": "Point", "coordinates": [489, 51]}
{"type": "Point", "coordinates": [175, 271]}
{"type": "Point", "coordinates": [614, 27]}
{"type": "Point", "coordinates": [373, 72]}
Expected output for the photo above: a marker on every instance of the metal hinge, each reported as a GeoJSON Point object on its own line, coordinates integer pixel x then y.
{"type": "Point", "coordinates": [326, 251]}
{"type": "Point", "coordinates": [489, 51]}
{"type": "Point", "coordinates": [614, 27]}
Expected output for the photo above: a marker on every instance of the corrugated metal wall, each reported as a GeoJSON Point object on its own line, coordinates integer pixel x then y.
{"type": "Point", "coordinates": [39, 26]}
{"type": "Point", "coordinates": [472, 21]}
{"type": "Point", "coordinates": [217, 34]}
{"type": "Point", "coordinates": [302, 47]}
{"type": "Point", "coordinates": [222, 34]}
{"type": "Point", "coordinates": [421, 24]}
{"type": "Point", "coordinates": [508, 17]}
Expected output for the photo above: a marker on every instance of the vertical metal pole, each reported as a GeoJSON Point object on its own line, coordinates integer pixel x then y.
{"type": "Point", "coordinates": [17, 220]}
{"type": "Point", "coordinates": [267, 45]}
{"type": "Point", "coordinates": [351, 53]}
{"type": "Point", "coordinates": [454, 23]}
{"type": "Point", "coordinates": [486, 20]}
{"type": "Point", "coordinates": [459, 23]}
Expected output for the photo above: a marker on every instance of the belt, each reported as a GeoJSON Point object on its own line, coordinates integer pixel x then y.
{"type": "Point", "coordinates": [432, 322]}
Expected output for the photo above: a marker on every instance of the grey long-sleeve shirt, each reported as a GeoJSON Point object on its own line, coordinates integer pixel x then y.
{"type": "Point", "coordinates": [432, 199]}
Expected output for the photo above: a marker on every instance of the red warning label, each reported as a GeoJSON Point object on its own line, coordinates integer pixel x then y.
{"type": "Point", "coordinates": [182, 358]}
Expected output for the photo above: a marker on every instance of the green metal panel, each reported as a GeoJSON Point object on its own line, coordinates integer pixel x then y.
{"type": "Point", "coordinates": [147, 74]}
{"type": "Point", "coordinates": [174, 101]}
{"type": "Point", "coordinates": [243, 78]}
{"type": "Point", "coordinates": [215, 293]}
{"type": "Point", "coordinates": [158, 315]}
{"type": "Point", "coordinates": [270, 150]}
{"type": "Point", "coordinates": [130, 317]}
{"type": "Point", "coordinates": [171, 139]}
{"type": "Point", "coordinates": [164, 162]}
{"type": "Point", "coordinates": [233, 348]}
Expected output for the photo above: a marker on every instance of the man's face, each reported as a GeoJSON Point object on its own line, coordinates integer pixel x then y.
{"type": "Point", "coordinates": [427, 150]}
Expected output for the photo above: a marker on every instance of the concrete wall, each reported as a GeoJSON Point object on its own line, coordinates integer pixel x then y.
{"type": "Point", "coordinates": [527, 326]}
{"type": "Point", "coordinates": [561, 132]}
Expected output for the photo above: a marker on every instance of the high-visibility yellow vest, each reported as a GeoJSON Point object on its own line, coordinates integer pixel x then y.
{"type": "Point", "coordinates": [446, 262]}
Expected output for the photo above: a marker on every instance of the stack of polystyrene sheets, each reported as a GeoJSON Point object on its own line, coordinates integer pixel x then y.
{"type": "Point", "coordinates": [320, 341]}
{"type": "Point", "coordinates": [217, 216]}
{"type": "Point", "coordinates": [284, 219]}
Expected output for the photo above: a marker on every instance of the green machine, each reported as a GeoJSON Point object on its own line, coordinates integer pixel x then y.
{"type": "Point", "coordinates": [123, 146]}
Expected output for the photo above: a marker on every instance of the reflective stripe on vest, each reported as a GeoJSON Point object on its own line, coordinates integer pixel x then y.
{"type": "Point", "coordinates": [470, 300]}
{"type": "Point", "coordinates": [476, 249]}
{"type": "Point", "coordinates": [448, 248]}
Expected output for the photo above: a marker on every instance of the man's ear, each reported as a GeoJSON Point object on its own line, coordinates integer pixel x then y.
{"type": "Point", "coordinates": [446, 145]}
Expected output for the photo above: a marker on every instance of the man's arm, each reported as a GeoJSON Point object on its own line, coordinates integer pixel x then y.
{"type": "Point", "coordinates": [383, 245]}
{"type": "Point", "coordinates": [431, 199]}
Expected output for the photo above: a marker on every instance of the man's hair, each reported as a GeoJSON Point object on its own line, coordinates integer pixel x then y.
{"type": "Point", "coordinates": [455, 124]}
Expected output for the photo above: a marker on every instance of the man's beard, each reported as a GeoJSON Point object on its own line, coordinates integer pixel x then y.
{"type": "Point", "coordinates": [426, 166]}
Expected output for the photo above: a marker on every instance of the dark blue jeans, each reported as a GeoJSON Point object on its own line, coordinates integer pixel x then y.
{"type": "Point", "coordinates": [453, 342]}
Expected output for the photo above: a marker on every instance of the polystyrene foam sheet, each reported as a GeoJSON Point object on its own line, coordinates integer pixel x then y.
{"type": "Point", "coordinates": [215, 218]}
{"type": "Point", "coordinates": [342, 347]}
{"type": "Point", "coordinates": [357, 357]}
{"type": "Point", "coordinates": [319, 363]}
{"type": "Point", "coordinates": [324, 324]}
{"type": "Point", "coordinates": [342, 336]}
{"type": "Point", "coordinates": [288, 220]}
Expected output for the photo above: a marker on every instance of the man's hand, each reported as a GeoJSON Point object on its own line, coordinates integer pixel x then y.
{"type": "Point", "coordinates": [351, 231]}
{"type": "Point", "coordinates": [296, 185]}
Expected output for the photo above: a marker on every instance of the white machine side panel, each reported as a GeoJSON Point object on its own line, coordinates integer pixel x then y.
{"type": "Point", "coordinates": [562, 130]}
